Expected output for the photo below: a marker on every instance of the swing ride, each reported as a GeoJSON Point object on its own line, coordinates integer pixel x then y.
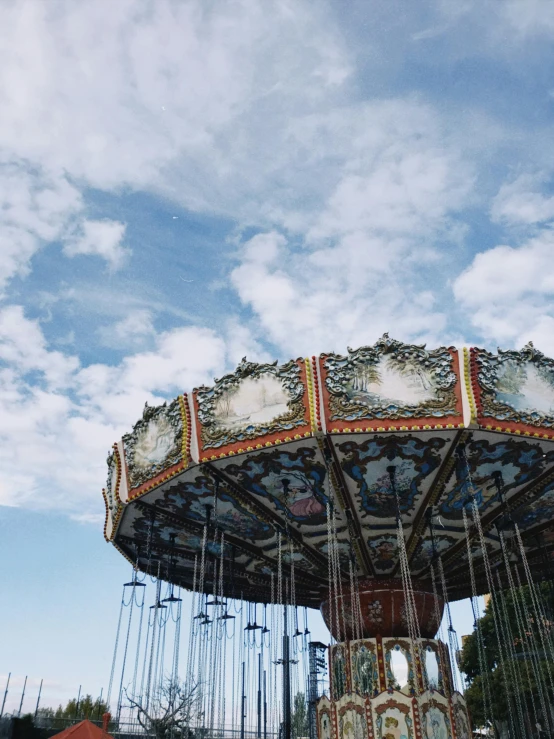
{"type": "Point", "coordinates": [377, 486]}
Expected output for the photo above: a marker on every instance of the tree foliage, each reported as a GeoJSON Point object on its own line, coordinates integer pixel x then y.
{"type": "Point", "coordinates": [85, 707]}
{"type": "Point", "coordinates": [517, 655]}
{"type": "Point", "coordinates": [299, 718]}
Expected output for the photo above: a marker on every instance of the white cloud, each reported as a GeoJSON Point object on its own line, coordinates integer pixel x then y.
{"type": "Point", "coordinates": [508, 293]}
{"type": "Point", "coordinates": [99, 238]}
{"type": "Point", "coordinates": [529, 17]}
{"type": "Point", "coordinates": [177, 98]}
{"type": "Point", "coordinates": [35, 206]}
{"type": "Point", "coordinates": [163, 100]}
{"type": "Point", "coordinates": [246, 109]}
{"type": "Point", "coordinates": [364, 265]}
{"type": "Point", "coordinates": [58, 420]}
{"type": "Point", "coordinates": [24, 350]}
{"type": "Point", "coordinates": [521, 201]}
{"type": "Point", "coordinates": [134, 328]}
{"type": "Point", "coordinates": [305, 307]}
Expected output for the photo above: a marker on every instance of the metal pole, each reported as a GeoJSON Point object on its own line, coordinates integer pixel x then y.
{"type": "Point", "coordinates": [22, 696]}
{"type": "Point", "coordinates": [265, 705]}
{"type": "Point", "coordinates": [38, 699]}
{"type": "Point", "coordinates": [243, 706]}
{"type": "Point", "coordinates": [260, 695]}
{"type": "Point", "coordinates": [5, 695]}
{"type": "Point", "coordinates": [77, 704]}
{"type": "Point", "coordinates": [287, 728]}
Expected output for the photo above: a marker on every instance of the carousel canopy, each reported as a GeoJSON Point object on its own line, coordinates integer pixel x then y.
{"type": "Point", "coordinates": [392, 430]}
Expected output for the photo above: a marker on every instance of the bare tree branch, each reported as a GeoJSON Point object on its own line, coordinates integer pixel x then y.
{"type": "Point", "coordinates": [170, 711]}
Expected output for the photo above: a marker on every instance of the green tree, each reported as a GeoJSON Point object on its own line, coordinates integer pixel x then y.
{"type": "Point", "coordinates": [515, 667]}
{"type": "Point", "coordinates": [59, 718]}
{"type": "Point", "coordinates": [299, 718]}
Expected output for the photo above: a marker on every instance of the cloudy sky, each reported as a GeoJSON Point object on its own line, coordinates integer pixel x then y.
{"type": "Point", "coordinates": [185, 182]}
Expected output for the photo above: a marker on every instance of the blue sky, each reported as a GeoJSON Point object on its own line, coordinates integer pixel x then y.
{"type": "Point", "coordinates": [184, 183]}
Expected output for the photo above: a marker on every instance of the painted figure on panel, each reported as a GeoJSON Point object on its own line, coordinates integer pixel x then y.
{"type": "Point", "coordinates": [300, 495]}
{"type": "Point", "coordinates": [390, 381]}
{"type": "Point", "coordinates": [526, 386]}
{"type": "Point", "coordinates": [384, 550]}
{"type": "Point", "coordinates": [386, 467]}
{"type": "Point", "coordinates": [393, 723]}
{"type": "Point", "coordinates": [364, 668]}
{"type": "Point", "coordinates": [324, 726]}
{"type": "Point", "coordinates": [251, 402]}
{"type": "Point", "coordinates": [293, 480]}
{"type": "Point", "coordinates": [352, 725]}
{"type": "Point", "coordinates": [391, 727]}
{"type": "Point", "coordinates": [339, 672]}
{"type": "Point", "coordinates": [153, 443]}
{"type": "Point", "coordinates": [520, 460]}
{"type": "Point", "coordinates": [435, 724]}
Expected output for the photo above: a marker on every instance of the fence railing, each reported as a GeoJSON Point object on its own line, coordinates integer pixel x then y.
{"type": "Point", "coordinates": [12, 727]}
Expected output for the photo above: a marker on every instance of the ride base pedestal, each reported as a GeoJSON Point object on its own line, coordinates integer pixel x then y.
{"type": "Point", "coordinates": [373, 692]}
{"type": "Point", "coordinates": [389, 687]}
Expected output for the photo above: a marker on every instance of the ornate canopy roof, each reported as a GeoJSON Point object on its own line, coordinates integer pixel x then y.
{"type": "Point", "coordinates": [387, 429]}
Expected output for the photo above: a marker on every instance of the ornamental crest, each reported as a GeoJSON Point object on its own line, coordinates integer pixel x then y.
{"type": "Point", "coordinates": [517, 386]}
{"type": "Point", "coordinates": [255, 400]}
{"type": "Point", "coordinates": [112, 482]}
{"type": "Point", "coordinates": [155, 444]}
{"type": "Point", "coordinates": [391, 380]}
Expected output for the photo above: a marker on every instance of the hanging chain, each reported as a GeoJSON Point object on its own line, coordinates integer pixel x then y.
{"type": "Point", "coordinates": [487, 699]}
{"type": "Point", "coordinates": [409, 597]}
{"type": "Point", "coordinates": [452, 635]}
{"type": "Point", "coordinates": [503, 662]}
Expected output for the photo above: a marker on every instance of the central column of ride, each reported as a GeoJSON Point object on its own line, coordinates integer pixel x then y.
{"type": "Point", "coordinates": [384, 683]}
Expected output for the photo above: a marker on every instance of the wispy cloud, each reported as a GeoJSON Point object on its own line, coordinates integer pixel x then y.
{"type": "Point", "coordinates": [367, 184]}
{"type": "Point", "coordinates": [98, 238]}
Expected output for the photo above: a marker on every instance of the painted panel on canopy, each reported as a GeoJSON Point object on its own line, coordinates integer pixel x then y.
{"type": "Point", "coordinates": [538, 511]}
{"type": "Point", "coordinates": [257, 402]}
{"type": "Point", "coordinates": [424, 551]}
{"type": "Point", "coordinates": [493, 547]}
{"type": "Point", "coordinates": [300, 562]}
{"type": "Point", "coordinates": [343, 547]}
{"type": "Point", "coordinates": [291, 478]}
{"type": "Point", "coordinates": [188, 545]}
{"type": "Point", "coordinates": [383, 550]}
{"type": "Point", "coordinates": [515, 387]}
{"type": "Point", "coordinates": [519, 459]}
{"type": "Point", "coordinates": [191, 498]}
{"type": "Point", "coordinates": [391, 381]}
{"type": "Point", "coordinates": [416, 460]}
{"type": "Point", "coordinates": [162, 531]}
{"type": "Point", "coordinates": [155, 444]}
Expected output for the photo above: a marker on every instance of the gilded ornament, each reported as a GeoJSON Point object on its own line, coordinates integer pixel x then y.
{"type": "Point", "coordinates": [255, 400]}
{"type": "Point", "coordinates": [517, 386]}
{"type": "Point", "coordinates": [391, 380]}
{"type": "Point", "coordinates": [156, 442]}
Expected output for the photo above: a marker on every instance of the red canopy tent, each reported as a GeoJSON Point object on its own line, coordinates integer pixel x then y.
{"type": "Point", "coordinates": [85, 730]}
